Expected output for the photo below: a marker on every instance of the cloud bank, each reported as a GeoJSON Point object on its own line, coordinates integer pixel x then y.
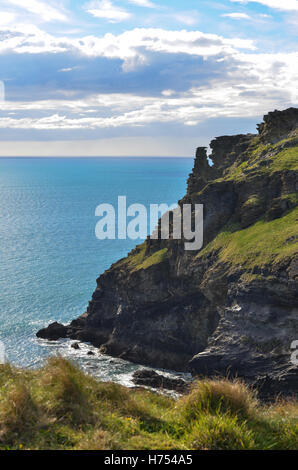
{"type": "Point", "coordinates": [122, 81]}
{"type": "Point", "coordinates": [283, 5]}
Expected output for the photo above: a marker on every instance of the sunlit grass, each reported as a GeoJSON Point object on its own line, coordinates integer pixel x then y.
{"type": "Point", "coordinates": [60, 407]}
{"type": "Point", "coordinates": [258, 245]}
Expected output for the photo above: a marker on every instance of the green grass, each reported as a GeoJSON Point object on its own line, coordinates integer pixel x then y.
{"type": "Point", "coordinates": [59, 407]}
{"type": "Point", "coordinates": [138, 260]}
{"type": "Point", "coordinates": [291, 197]}
{"type": "Point", "coordinates": [258, 245]}
{"type": "Point", "coordinates": [156, 258]}
{"type": "Point", "coordinates": [285, 160]}
{"type": "Point", "coordinates": [279, 159]}
{"type": "Point", "coordinates": [252, 201]}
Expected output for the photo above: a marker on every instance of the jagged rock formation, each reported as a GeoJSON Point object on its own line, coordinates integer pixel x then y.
{"type": "Point", "coordinates": [277, 125]}
{"type": "Point", "coordinates": [231, 307]}
{"type": "Point", "coordinates": [150, 378]}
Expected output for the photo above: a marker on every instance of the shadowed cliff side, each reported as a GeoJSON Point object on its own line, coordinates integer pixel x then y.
{"type": "Point", "coordinates": [231, 307]}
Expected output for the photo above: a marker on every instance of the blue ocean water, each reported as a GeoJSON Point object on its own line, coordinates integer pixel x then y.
{"type": "Point", "coordinates": [49, 254]}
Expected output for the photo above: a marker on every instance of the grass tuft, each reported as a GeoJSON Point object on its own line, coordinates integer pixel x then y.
{"type": "Point", "coordinates": [65, 391]}
{"type": "Point", "coordinates": [221, 432]}
{"type": "Point", "coordinates": [219, 396]}
{"type": "Point", "coordinates": [18, 412]}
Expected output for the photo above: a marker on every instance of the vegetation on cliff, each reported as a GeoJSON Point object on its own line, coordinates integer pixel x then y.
{"type": "Point", "coordinates": [261, 244]}
{"type": "Point", "coordinates": [59, 407]}
{"type": "Point", "coordinates": [139, 260]}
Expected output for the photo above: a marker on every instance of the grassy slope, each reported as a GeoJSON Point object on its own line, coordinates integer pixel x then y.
{"type": "Point", "coordinates": [137, 259]}
{"type": "Point", "coordinates": [264, 242]}
{"type": "Point", "coordinates": [277, 156]}
{"type": "Point", "coordinates": [258, 245]}
{"type": "Point", "coordinates": [58, 407]}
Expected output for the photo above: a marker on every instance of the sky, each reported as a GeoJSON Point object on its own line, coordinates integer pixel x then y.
{"type": "Point", "coordinates": [141, 77]}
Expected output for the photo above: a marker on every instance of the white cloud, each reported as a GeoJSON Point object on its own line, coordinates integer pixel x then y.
{"type": "Point", "coordinates": [237, 16]}
{"type": "Point", "coordinates": [106, 10]}
{"type": "Point", "coordinates": [29, 39]}
{"type": "Point", "coordinates": [44, 11]}
{"type": "Point", "coordinates": [189, 18]}
{"type": "Point", "coordinates": [132, 47]}
{"type": "Point", "coordinates": [246, 84]}
{"type": "Point", "coordinates": [69, 69]}
{"type": "Point", "coordinates": [168, 92]}
{"type": "Point", "coordinates": [284, 5]}
{"type": "Point", "coordinates": [143, 3]}
{"type": "Point", "coordinates": [257, 83]}
{"type": "Point", "coordinates": [6, 18]}
{"type": "Point", "coordinates": [135, 48]}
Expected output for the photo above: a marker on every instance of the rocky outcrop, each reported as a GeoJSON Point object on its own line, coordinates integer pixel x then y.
{"type": "Point", "coordinates": [150, 378]}
{"type": "Point", "coordinates": [225, 150]}
{"type": "Point", "coordinates": [230, 308]}
{"type": "Point", "coordinates": [278, 124]}
{"type": "Point", "coordinates": [53, 332]}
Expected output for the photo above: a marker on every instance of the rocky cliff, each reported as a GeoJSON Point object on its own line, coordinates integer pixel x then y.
{"type": "Point", "coordinates": [230, 308]}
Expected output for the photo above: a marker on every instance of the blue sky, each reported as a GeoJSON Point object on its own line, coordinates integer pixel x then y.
{"type": "Point", "coordinates": [141, 77]}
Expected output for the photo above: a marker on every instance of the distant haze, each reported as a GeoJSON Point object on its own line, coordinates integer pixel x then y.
{"type": "Point", "coordinates": [126, 147]}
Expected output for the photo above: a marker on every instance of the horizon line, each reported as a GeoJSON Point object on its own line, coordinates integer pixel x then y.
{"type": "Point", "coordinates": [91, 157]}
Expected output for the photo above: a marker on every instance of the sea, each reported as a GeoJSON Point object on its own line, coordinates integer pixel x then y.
{"type": "Point", "coordinates": [50, 257]}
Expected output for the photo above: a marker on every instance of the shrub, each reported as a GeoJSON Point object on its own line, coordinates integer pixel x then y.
{"type": "Point", "coordinates": [65, 391]}
{"type": "Point", "coordinates": [221, 432]}
{"type": "Point", "coordinates": [7, 373]}
{"type": "Point", "coordinates": [18, 412]}
{"type": "Point", "coordinates": [219, 395]}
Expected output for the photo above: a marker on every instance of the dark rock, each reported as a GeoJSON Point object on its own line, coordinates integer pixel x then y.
{"type": "Point", "coordinates": [202, 172]}
{"type": "Point", "coordinates": [53, 332]}
{"type": "Point", "coordinates": [277, 209]}
{"type": "Point", "coordinates": [75, 346]}
{"type": "Point", "coordinates": [90, 353]}
{"type": "Point", "coordinates": [251, 211]}
{"type": "Point", "coordinates": [226, 149]}
{"type": "Point", "coordinates": [150, 378]}
{"type": "Point", "coordinates": [278, 124]}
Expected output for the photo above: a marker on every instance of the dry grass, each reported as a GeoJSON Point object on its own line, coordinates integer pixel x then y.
{"type": "Point", "coordinates": [18, 412]}
{"type": "Point", "coordinates": [59, 407]}
{"type": "Point", "coordinates": [221, 432]}
{"type": "Point", "coordinates": [219, 396]}
{"type": "Point", "coordinates": [65, 392]}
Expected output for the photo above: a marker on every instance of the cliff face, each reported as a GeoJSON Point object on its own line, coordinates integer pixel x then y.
{"type": "Point", "coordinates": [231, 307]}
